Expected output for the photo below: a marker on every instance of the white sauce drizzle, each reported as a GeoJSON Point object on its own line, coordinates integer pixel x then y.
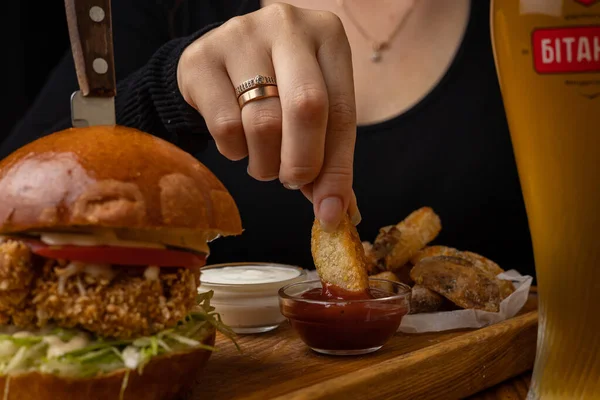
{"type": "Point", "coordinates": [61, 285]}
{"type": "Point", "coordinates": [131, 357]}
{"type": "Point", "coordinates": [108, 239]}
{"type": "Point", "coordinates": [70, 270]}
{"type": "Point", "coordinates": [80, 286]}
{"type": "Point", "coordinates": [56, 347]}
{"type": "Point", "coordinates": [151, 273]}
{"type": "Point", "coordinates": [75, 268]}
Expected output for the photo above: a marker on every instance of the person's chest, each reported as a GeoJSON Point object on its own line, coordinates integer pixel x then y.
{"type": "Point", "coordinates": [453, 153]}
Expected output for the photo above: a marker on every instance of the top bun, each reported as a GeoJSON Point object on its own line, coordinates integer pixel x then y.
{"type": "Point", "coordinates": [85, 179]}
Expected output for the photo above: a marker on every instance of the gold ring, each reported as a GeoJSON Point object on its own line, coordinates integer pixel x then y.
{"type": "Point", "coordinates": [257, 81]}
{"type": "Point", "coordinates": [258, 93]}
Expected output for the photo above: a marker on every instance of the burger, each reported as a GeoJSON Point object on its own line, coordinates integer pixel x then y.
{"type": "Point", "coordinates": [103, 234]}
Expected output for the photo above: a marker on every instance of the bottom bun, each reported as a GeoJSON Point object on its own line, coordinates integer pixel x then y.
{"type": "Point", "coordinates": [165, 377]}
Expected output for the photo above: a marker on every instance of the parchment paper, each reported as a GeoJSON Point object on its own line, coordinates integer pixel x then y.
{"type": "Point", "coordinates": [460, 319]}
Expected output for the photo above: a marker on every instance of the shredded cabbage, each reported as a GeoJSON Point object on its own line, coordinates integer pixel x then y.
{"type": "Point", "coordinates": [74, 353]}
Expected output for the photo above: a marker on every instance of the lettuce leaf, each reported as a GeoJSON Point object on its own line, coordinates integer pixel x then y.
{"type": "Point", "coordinates": [73, 353]}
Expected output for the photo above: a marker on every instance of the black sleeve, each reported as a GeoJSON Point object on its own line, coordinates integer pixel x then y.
{"type": "Point", "coordinates": [147, 94]}
{"type": "Point", "coordinates": [150, 100]}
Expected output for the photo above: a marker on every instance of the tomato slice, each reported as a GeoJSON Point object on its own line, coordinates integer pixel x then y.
{"type": "Point", "coordinates": [117, 255]}
{"type": "Point", "coordinates": [123, 255]}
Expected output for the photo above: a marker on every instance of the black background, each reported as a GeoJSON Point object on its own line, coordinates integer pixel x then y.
{"type": "Point", "coordinates": [35, 37]}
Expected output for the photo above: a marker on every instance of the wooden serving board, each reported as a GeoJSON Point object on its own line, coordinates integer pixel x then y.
{"type": "Point", "coordinates": [449, 365]}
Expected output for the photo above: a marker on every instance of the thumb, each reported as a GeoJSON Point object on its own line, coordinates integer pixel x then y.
{"type": "Point", "coordinates": [353, 210]}
{"type": "Point", "coordinates": [332, 195]}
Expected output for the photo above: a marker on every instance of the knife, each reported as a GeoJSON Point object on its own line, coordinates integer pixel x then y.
{"type": "Point", "coordinates": [90, 33]}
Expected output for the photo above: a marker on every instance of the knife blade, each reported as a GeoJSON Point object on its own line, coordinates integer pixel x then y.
{"type": "Point", "coordinates": [90, 33]}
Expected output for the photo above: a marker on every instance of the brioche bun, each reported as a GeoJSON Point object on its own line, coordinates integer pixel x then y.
{"type": "Point", "coordinates": [112, 177]}
{"type": "Point", "coordinates": [165, 377]}
{"type": "Point", "coordinates": [120, 180]}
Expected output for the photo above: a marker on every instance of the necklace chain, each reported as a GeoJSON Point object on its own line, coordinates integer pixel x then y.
{"type": "Point", "coordinates": [376, 45]}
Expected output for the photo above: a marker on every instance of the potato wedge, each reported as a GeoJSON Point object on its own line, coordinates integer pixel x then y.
{"type": "Point", "coordinates": [339, 257]}
{"type": "Point", "coordinates": [433, 251]}
{"type": "Point", "coordinates": [506, 287]}
{"type": "Point", "coordinates": [385, 286]}
{"type": "Point", "coordinates": [388, 275]}
{"type": "Point", "coordinates": [459, 281]}
{"type": "Point", "coordinates": [484, 264]}
{"type": "Point", "coordinates": [424, 300]}
{"type": "Point", "coordinates": [396, 245]}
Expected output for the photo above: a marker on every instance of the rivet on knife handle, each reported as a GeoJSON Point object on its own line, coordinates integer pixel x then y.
{"type": "Point", "coordinates": [90, 32]}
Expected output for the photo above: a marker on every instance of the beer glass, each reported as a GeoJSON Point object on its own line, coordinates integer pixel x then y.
{"type": "Point", "coordinates": [547, 55]}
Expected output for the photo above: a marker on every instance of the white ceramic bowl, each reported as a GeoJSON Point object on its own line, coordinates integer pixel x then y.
{"type": "Point", "coordinates": [246, 294]}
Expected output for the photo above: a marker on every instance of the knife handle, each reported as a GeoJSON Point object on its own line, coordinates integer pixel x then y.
{"type": "Point", "coordinates": [90, 33]}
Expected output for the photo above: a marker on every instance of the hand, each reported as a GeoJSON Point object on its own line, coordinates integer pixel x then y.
{"type": "Point", "coordinates": [306, 136]}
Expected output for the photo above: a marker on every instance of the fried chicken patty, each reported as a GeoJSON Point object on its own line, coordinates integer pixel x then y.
{"type": "Point", "coordinates": [35, 291]}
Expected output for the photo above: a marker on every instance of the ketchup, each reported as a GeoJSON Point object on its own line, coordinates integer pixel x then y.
{"type": "Point", "coordinates": [348, 321]}
{"type": "Point", "coordinates": [331, 292]}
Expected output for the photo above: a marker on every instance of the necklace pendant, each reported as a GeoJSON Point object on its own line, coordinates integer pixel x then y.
{"type": "Point", "coordinates": [376, 56]}
{"type": "Point", "coordinates": [377, 48]}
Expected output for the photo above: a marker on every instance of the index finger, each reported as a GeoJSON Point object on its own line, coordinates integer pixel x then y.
{"type": "Point", "coordinates": [332, 190]}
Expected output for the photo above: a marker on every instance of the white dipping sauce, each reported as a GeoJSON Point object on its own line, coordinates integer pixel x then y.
{"type": "Point", "coordinates": [246, 295]}
{"type": "Point", "coordinates": [250, 274]}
